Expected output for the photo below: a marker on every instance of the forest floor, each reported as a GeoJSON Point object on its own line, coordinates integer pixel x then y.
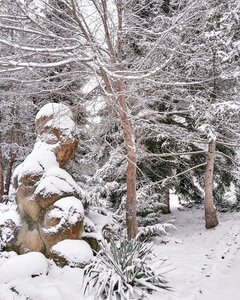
{"type": "Point", "coordinates": [199, 264]}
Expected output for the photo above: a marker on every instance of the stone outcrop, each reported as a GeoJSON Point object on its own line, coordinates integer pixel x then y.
{"type": "Point", "coordinates": [47, 197]}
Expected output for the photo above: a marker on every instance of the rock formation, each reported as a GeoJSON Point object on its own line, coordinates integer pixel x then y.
{"type": "Point", "coordinates": [47, 197]}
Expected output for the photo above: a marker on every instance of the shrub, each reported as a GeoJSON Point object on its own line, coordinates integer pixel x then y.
{"type": "Point", "coordinates": [122, 270]}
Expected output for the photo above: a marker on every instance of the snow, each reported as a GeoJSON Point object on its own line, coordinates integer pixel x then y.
{"type": "Point", "coordinates": [70, 203]}
{"type": "Point", "coordinates": [30, 167]}
{"type": "Point", "coordinates": [57, 181]}
{"type": "Point", "coordinates": [90, 85]}
{"type": "Point", "coordinates": [60, 284]}
{"type": "Point", "coordinates": [201, 264]}
{"type": "Point", "coordinates": [54, 109]}
{"type": "Point", "coordinates": [99, 221]}
{"type": "Point", "coordinates": [50, 185]}
{"type": "Point", "coordinates": [60, 117]}
{"type": "Point", "coordinates": [26, 265]}
{"type": "Point", "coordinates": [64, 175]}
{"type": "Point", "coordinates": [9, 221]}
{"type": "Point", "coordinates": [209, 131]}
{"type": "Point", "coordinates": [42, 157]}
{"type": "Point", "coordinates": [74, 251]}
{"type": "Point", "coordinates": [9, 212]}
{"type": "Point", "coordinates": [69, 210]}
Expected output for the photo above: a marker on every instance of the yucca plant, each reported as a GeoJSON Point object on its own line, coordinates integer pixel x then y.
{"type": "Point", "coordinates": [122, 271]}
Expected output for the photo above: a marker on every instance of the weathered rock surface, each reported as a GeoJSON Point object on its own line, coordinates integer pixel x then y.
{"type": "Point", "coordinates": [47, 197]}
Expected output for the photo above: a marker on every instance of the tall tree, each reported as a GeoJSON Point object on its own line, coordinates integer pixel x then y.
{"type": "Point", "coordinates": [69, 39]}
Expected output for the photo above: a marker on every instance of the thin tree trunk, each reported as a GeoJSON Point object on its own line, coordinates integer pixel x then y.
{"type": "Point", "coordinates": [131, 203]}
{"type": "Point", "coordinates": [166, 201]}
{"type": "Point", "coordinates": [211, 220]}
{"type": "Point", "coordinates": [117, 91]}
{"type": "Point", "coordinates": [128, 135]}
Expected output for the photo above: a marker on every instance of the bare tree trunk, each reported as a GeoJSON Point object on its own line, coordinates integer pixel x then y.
{"type": "Point", "coordinates": [131, 204]}
{"type": "Point", "coordinates": [117, 91]}
{"type": "Point", "coordinates": [166, 201]}
{"type": "Point", "coordinates": [211, 220]}
{"type": "Point", "coordinates": [128, 136]}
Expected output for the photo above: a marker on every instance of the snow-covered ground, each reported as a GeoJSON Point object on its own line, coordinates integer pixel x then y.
{"type": "Point", "coordinates": [200, 265]}
{"type": "Point", "coordinates": [203, 264]}
{"type": "Point", "coordinates": [58, 284]}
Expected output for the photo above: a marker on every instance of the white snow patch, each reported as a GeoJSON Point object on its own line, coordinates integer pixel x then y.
{"type": "Point", "coordinates": [94, 107]}
{"type": "Point", "coordinates": [58, 181]}
{"type": "Point", "coordinates": [9, 212]}
{"type": "Point", "coordinates": [99, 219]}
{"type": "Point", "coordinates": [60, 284]}
{"type": "Point", "coordinates": [64, 175]}
{"type": "Point", "coordinates": [54, 109]}
{"type": "Point", "coordinates": [42, 157]}
{"type": "Point", "coordinates": [95, 222]}
{"type": "Point", "coordinates": [26, 265]}
{"type": "Point", "coordinates": [69, 210]}
{"type": "Point", "coordinates": [74, 251]}
{"type": "Point", "coordinates": [61, 118]}
{"type": "Point", "coordinates": [70, 203]}
{"type": "Point", "coordinates": [91, 84]}
{"type": "Point", "coordinates": [53, 185]}
{"type": "Point", "coordinates": [198, 261]}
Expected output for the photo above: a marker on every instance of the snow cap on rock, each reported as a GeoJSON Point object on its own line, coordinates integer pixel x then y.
{"type": "Point", "coordinates": [68, 210]}
{"type": "Point", "coordinates": [75, 252]}
{"type": "Point", "coordinates": [57, 116]}
{"type": "Point", "coordinates": [56, 128]}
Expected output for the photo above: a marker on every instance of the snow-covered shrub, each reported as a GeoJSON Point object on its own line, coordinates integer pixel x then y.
{"type": "Point", "coordinates": [98, 226]}
{"type": "Point", "coordinates": [9, 225]}
{"type": "Point", "coordinates": [155, 230]}
{"type": "Point", "coordinates": [122, 270]}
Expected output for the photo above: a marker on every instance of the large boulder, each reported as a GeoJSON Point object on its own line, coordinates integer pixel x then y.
{"type": "Point", "coordinates": [47, 197]}
{"type": "Point", "coordinates": [75, 253]}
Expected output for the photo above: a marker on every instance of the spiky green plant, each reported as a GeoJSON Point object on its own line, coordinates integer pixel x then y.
{"type": "Point", "coordinates": [122, 270]}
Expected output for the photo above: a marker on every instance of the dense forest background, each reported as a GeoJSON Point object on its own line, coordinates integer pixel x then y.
{"type": "Point", "coordinates": [179, 64]}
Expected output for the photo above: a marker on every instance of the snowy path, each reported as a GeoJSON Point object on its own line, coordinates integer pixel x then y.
{"type": "Point", "coordinates": [205, 263]}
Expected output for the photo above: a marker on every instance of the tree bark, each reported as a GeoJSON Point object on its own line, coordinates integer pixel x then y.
{"type": "Point", "coordinates": [131, 203]}
{"type": "Point", "coordinates": [211, 220]}
{"type": "Point", "coordinates": [166, 208]}
{"type": "Point", "coordinates": [116, 90]}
